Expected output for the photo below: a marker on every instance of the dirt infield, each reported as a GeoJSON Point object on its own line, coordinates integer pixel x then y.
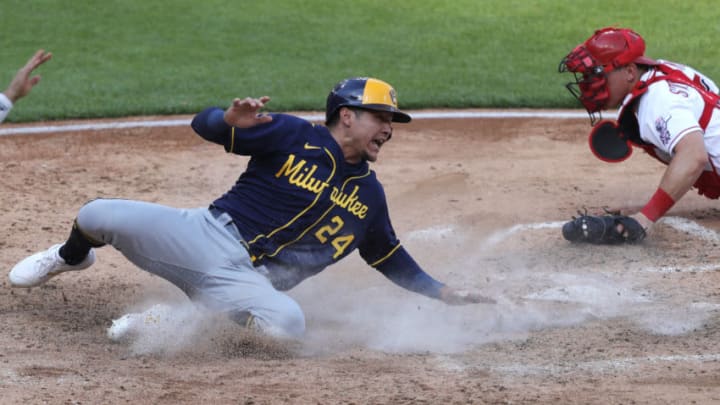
{"type": "Point", "coordinates": [478, 203]}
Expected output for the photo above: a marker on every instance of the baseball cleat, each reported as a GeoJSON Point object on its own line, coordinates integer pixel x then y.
{"type": "Point", "coordinates": [40, 267]}
{"type": "Point", "coordinates": [132, 325]}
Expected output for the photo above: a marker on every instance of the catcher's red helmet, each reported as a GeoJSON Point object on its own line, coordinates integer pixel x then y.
{"type": "Point", "coordinates": [366, 93]}
{"type": "Point", "coordinates": [607, 49]}
{"type": "Point", "coordinates": [615, 47]}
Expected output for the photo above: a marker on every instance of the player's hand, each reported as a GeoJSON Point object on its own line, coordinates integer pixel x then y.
{"type": "Point", "coordinates": [243, 113]}
{"type": "Point", "coordinates": [643, 220]}
{"type": "Point", "coordinates": [638, 216]}
{"type": "Point", "coordinates": [22, 83]}
{"type": "Point", "coordinates": [452, 296]}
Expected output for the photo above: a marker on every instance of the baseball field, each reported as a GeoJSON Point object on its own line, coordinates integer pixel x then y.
{"type": "Point", "coordinates": [477, 195]}
{"type": "Point", "coordinates": [477, 201]}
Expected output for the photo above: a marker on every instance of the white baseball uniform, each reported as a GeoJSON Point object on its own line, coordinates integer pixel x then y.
{"type": "Point", "coordinates": [669, 110]}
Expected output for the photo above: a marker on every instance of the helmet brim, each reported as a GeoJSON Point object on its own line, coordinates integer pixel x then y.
{"type": "Point", "coordinates": [398, 116]}
{"type": "Point", "coordinates": [644, 60]}
{"type": "Point", "coordinates": [401, 117]}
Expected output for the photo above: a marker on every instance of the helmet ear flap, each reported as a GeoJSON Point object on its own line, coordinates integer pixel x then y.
{"type": "Point", "coordinates": [608, 143]}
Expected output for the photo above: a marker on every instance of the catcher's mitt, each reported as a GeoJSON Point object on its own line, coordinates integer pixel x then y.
{"type": "Point", "coordinates": [610, 229]}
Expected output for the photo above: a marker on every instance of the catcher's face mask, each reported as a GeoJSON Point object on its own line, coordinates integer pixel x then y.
{"type": "Point", "coordinates": [590, 85]}
{"type": "Point", "coordinates": [608, 49]}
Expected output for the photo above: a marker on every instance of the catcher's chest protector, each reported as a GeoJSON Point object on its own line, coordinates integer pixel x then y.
{"type": "Point", "coordinates": [709, 182]}
{"type": "Point", "coordinates": [712, 100]}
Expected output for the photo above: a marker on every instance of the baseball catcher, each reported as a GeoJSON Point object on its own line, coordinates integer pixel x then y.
{"type": "Point", "coordinates": [666, 109]}
{"type": "Point", "coordinates": [608, 229]}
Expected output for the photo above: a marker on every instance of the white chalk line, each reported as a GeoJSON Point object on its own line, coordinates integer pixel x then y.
{"type": "Point", "coordinates": [434, 232]}
{"type": "Point", "coordinates": [691, 228]}
{"type": "Point", "coordinates": [684, 269]}
{"type": "Point", "coordinates": [681, 224]}
{"type": "Point", "coordinates": [694, 229]}
{"type": "Point", "coordinates": [92, 127]}
{"type": "Point", "coordinates": [501, 235]}
{"type": "Point", "coordinates": [309, 117]}
{"type": "Point", "coordinates": [585, 294]}
{"type": "Point", "coordinates": [441, 231]}
{"type": "Point", "coordinates": [602, 366]}
{"type": "Point", "coordinates": [706, 306]}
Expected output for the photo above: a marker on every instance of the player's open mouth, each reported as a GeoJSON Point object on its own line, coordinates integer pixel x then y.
{"type": "Point", "coordinates": [378, 142]}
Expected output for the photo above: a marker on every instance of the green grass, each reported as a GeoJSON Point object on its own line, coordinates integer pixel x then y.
{"type": "Point", "coordinates": [141, 57]}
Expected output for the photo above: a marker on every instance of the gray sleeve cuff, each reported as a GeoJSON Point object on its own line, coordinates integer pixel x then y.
{"type": "Point", "coordinates": [5, 106]}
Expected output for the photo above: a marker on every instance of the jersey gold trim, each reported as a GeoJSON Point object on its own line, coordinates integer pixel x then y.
{"type": "Point", "coordinates": [301, 213]}
{"type": "Point", "coordinates": [382, 259]}
{"type": "Point", "coordinates": [303, 233]}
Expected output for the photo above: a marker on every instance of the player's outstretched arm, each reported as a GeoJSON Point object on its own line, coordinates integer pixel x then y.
{"type": "Point", "coordinates": [687, 165]}
{"type": "Point", "coordinates": [243, 113]}
{"type": "Point", "coordinates": [452, 296]}
{"type": "Point", "coordinates": [401, 269]}
{"type": "Point", "coordinates": [22, 83]}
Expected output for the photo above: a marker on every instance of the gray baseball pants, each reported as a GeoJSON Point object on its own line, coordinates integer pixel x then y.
{"type": "Point", "coordinates": [197, 252]}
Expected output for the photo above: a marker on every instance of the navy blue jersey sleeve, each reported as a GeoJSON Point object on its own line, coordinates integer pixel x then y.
{"type": "Point", "coordinates": [210, 124]}
{"type": "Point", "coordinates": [381, 249]}
{"type": "Point", "coordinates": [401, 269]}
{"type": "Point", "coordinates": [257, 140]}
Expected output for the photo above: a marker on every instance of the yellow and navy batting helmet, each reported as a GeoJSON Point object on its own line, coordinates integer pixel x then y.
{"type": "Point", "coordinates": [366, 93]}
